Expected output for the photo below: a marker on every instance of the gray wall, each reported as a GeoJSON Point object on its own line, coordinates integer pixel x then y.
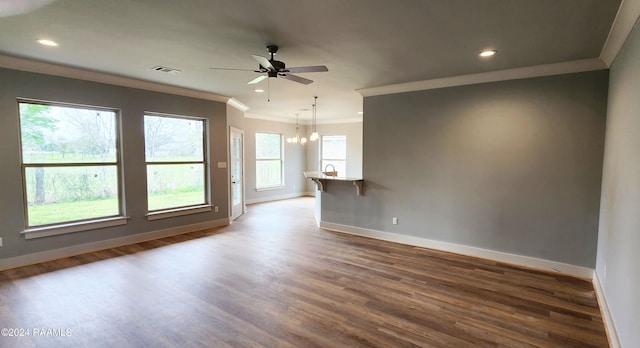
{"type": "Point", "coordinates": [132, 103]}
{"type": "Point", "coordinates": [511, 166]}
{"type": "Point", "coordinates": [235, 117]}
{"type": "Point", "coordinates": [294, 160]}
{"type": "Point", "coordinates": [618, 264]}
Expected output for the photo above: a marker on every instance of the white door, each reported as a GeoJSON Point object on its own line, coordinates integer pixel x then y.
{"type": "Point", "coordinates": [236, 169]}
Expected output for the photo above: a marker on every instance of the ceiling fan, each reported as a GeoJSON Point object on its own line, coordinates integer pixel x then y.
{"type": "Point", "coordinates": [275, 68]}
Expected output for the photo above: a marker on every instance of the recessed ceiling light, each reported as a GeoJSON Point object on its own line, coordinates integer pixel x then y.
{"type": "Point", "coordinates": [487, 53]}
{"type": "Point", "coordinates": [47, 42]}
{"type": "Point", "coordinates": [258, 90]}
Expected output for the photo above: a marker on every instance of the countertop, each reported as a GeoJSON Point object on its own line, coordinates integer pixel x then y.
{"type": "Point", "coordinates": [319, 175]}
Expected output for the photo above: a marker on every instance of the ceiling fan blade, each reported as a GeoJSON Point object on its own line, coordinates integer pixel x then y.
{"type": "Point", "coordinates": [257, 79]}
{"type": "Point", "coordinates": [306, 69]}
{"type": "Point", "coordinates": [232, 69]}
{"type": "Point", "coordinates": [297, 79]}
{"type": "Point", "coordinates": [264, 62]}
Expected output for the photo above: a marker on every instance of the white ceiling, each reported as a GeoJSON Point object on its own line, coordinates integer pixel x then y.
{"type": "Point", "coordinates": [364, 43]}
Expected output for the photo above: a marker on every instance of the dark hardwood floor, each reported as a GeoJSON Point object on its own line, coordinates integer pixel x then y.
{"type": "Point", "coordinates": [273, 279]}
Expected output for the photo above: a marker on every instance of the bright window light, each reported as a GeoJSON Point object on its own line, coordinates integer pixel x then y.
{"type": "Point", "coordinates": [70, 163]}
{"type": "Point", "coordinates": [269, 161]}
{"type": "Point", "coordinates": [176, 158]}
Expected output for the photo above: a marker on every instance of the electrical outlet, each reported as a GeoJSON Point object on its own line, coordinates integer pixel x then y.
{"type": "Point", "coordinates": [215, 208]}
{"type": "Point", "coordinates": [395, 220]}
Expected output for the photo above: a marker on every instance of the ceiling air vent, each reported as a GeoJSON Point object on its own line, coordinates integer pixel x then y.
{"type": "Point", "coordinates": [165, 69]}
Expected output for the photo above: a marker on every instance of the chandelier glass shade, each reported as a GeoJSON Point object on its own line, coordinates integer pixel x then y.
{"type": "Point", "coordinates": [297, 139]}
{"type": "Point", "coordinates": [314, 135]}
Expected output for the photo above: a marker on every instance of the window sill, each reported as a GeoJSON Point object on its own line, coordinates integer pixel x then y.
{"type": "Point", "coordinates": [39, 232]}
{"type": "Point", "coordinates": [280, 187]}
{"type": "Point", "coordinates": [164, 214]}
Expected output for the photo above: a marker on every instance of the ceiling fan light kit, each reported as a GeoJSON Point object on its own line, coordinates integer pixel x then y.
{"type": "Point", "coordinates": [270, 67]}
{"type": "Point", "coordinates": [274, 68]}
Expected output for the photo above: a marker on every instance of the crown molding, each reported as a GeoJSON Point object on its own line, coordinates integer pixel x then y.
{"type": "Point", "coordinates": [303, 122]}
{"type": "Point", "coordinates": [493, 76]}
{"type": "Point", "coordinates": [273, 118]}
{"type": "Point", "coordinates": [235, 103]}
{"type": "Point", "coordinates": [627, 17]}
{"type": "Point", "coordinates": [342, 120]}
{"type": "Point", "coordinates": [35, 66]}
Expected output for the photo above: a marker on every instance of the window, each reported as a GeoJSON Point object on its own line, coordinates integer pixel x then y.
{"type": "Point", "coordinates": [268, 160]}
{"type": "Point", "coordinates": [176, 162]}
{"type": "Point", "coordinates": [334, 152]}
{"type": "Point", "coordinates": [70, 163]}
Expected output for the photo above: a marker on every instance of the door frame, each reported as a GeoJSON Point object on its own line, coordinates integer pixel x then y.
{"type": "Point", "coordinates": [242, 171]}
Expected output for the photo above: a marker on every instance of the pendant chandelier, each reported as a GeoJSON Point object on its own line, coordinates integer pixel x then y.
{"type": "Point", "coordinates": [297, 139]}
{"type": "Point", "coordinates": [314, 136]}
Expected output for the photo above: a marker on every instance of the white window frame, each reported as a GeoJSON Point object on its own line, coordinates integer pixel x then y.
{"type": "Point", "coordinates": [281, 159]}
{"type": "Point", "coordinates": [189, 209]}
{"type": "Point", "coordinates": [64, 227]}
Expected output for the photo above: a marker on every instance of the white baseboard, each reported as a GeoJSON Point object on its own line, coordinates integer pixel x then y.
{"type": "Point", "coordinates": [29, 259]}
{"type": "Point", "coordinates": [278, 197]}
{"type": "Point", "coordinates": [520, 260]}
{"type": "Point", "coordinates": [609, 324]}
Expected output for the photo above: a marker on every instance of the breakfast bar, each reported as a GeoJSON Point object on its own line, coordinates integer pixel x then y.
{"type": "Point", "coordinates": [321, 178]}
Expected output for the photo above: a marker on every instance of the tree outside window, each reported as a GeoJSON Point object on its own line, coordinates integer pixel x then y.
{"type": "Point", "coordinates": [176, 161]}
{"type": "Point", "coordinates": [70, 162]}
